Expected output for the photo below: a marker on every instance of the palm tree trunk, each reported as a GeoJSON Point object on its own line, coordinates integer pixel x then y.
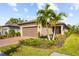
{"type": "Point", "coordinates": [38, 30]}
{"type": "Point", "coordinates": [54, 33]}
{"type": "Point", "coordinates": [47, 32]}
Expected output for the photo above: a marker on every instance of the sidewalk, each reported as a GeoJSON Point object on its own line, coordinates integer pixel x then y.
{"type": "Point", "coordinates": [57, 54]}
{"type": "Point", "coordinates": [2, 54]}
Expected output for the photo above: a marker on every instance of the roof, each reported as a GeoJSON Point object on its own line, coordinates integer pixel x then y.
{"type": "Point", "coordinates": [11, 25]}
{"type": "Point", "coordinates": [27, 22]}
{"type": "Point", "coordinates": [33, 21]}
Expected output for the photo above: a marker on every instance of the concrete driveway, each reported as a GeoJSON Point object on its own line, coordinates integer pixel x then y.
{"type": "Point", "coordinates": [9, 41]}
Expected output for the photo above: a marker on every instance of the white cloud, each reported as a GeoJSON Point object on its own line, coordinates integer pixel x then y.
{"type": "Point", "coordinates": [27, 16]}
{"type": "Point", "coordinates": [40, 5]}
{"type": "Point", "coordinates": [12, 4]}
{"type": "Point", "coordinates": [3, 17]}
{"type": "Point", "coordinates": [26, 10]}
{"type": "Point", "coordinates": [30, 18]}
{"type": "Point", "coordinates": [34, 17]}
{"type": "Point", "coordinates": [15, 9]}
{"type": "Point", "coordinates": [65, 18]}
{"type": "Point", "coordinates": [75, 6]}
{"type": "Point", "coordinates": [70, 14]}
{"type": "Point", "coordinates": [71, 8]}
{"type": "Point", "coordinates": [3, 20]}
{"type": "Point", "coordinates": [54, 7]}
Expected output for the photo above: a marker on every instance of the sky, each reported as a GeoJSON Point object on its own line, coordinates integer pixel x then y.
{"type": "Point", "coordinates": [27, 11]}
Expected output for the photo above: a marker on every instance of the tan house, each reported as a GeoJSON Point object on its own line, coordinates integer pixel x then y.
{"type": "Point", "coordinates": [30, 29]}
{"type": "Point", "coordinates": [8, 27]}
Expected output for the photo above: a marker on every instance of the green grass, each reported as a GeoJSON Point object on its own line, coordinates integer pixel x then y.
{"type": "Point", "coordinates": [30, 51]}
{"type": "Point", "coordinates": [4, 48]}
{"type": "Point", "coordinates": [71, 45]}
{"type": "Point", "coordinates": [26, 51]}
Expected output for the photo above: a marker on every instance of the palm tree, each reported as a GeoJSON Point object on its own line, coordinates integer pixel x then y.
{"type": "Point", "coordinates": [46, 13]}
{"type": "Point", "coordinates": [55, 19]}
{"type": "Point", "coordinates": [41, 23]}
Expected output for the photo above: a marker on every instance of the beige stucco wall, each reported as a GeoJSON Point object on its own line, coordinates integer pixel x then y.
{"type": "Point", "coordinates": [43, 30]}
{"type": "Point", "coordinates": [4, 29]}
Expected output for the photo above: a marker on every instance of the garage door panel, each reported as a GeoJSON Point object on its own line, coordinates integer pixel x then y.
{"type": "Point", "coordinates": [30, 31]}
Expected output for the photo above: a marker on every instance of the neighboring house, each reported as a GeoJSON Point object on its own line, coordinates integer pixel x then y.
{"type": "Point", "coordinates": [0, 31]}
{"type": "Point", "coordinates": [30, 29]}
{"type": "Point", "coordinates": [7, 27]}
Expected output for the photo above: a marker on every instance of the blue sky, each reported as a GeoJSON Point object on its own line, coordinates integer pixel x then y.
{"type": "Point", "coordinates": [27, 11]}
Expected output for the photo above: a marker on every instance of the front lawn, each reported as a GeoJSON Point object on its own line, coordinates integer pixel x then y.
{"type": "Point", "coordinates": [30, 51]}
{"type": "Point", "coordinates": [71, 45]}
{"type": "Point", "coordinates": [25, 51]}
{"type": "Point", "coordinates": [4, 48]}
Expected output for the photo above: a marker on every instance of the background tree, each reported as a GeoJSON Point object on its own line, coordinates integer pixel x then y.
{"type": "Point", "coordinates": [74, 28]}
{"type": "Point", "coordinates": [14, 21]}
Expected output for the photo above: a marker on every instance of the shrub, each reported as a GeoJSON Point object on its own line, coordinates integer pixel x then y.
{"type": "Point", "coordinates": [43, 37]}
{"type": "Point", "coordinates": [11, 33]}
{"type": "Point", "coordinates": [67, 34]}
{"type": "Point", "coordinates": [6, 34]}
{"type": "Point", "coordinates": [2, 37]}
{"type": "Point", "coordinates": [44, 43]}
{"type": "Point", "coordinates": [31, 42]}
{"type": "Point", "coordinates": [59, 37]}
{"type": "Point", "coordinates": [37, 42]}
{"type": "Point", "coordinates": [18, 34]}
{"type": "Point", "coordinates": [59, 41]}
{"type": "Point", "coordinates": [52, 42]}
{"type": "Point", "coordinates": [25, 42]}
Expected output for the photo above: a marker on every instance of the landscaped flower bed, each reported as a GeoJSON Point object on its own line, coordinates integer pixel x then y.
{"type": "Point", "coordinates": [37, 42]}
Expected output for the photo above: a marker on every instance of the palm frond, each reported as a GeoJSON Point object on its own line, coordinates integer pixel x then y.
{"type": "Point", "coordinates": [62, 14]}
{"type": "Point", "coordinates": [40, 12]}
{"type": "Point", "coordinates": [41, 20]}
{"type": "Point", "coordinates": [51, 13]}
{"type": "Point", "coordinates": [46, 7]}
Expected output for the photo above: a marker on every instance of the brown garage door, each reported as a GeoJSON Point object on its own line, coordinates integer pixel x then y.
{"type": "Point", "coordinates": [30, 31]}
